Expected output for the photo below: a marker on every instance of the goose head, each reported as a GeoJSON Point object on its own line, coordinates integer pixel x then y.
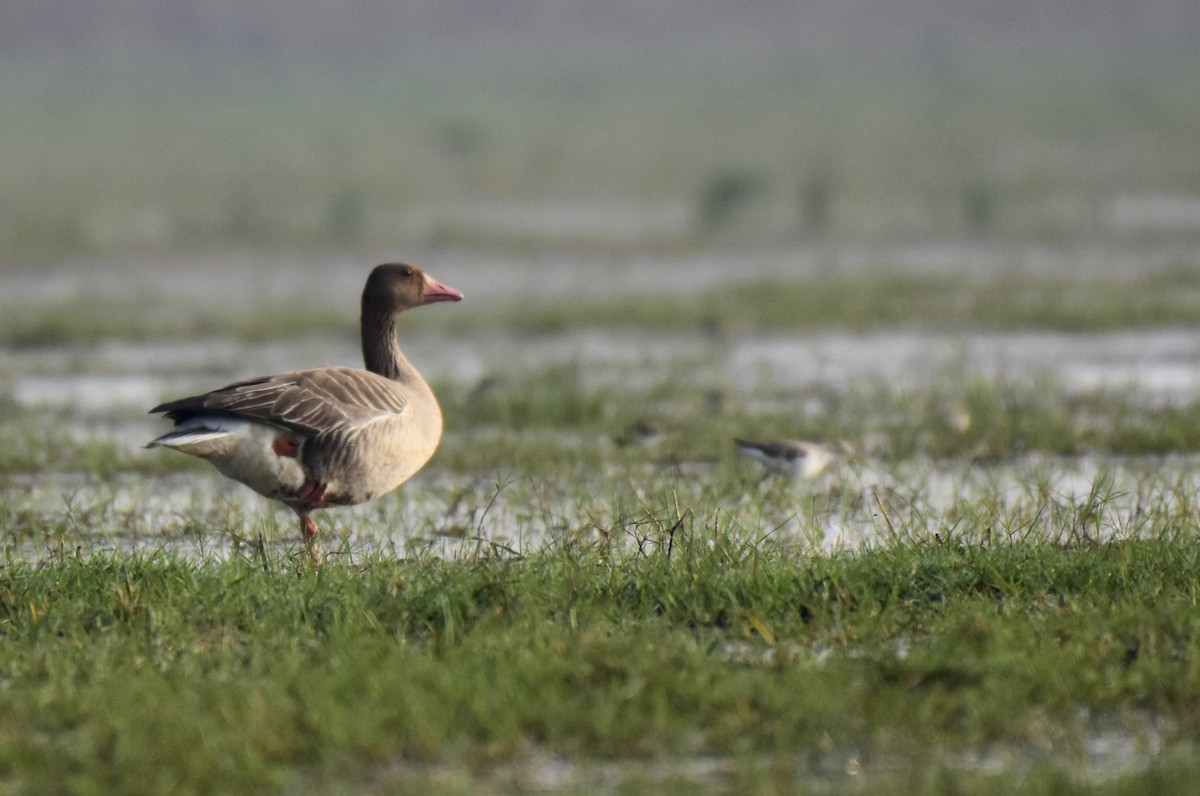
{"type": "Point", "coordinates": [395, 287]}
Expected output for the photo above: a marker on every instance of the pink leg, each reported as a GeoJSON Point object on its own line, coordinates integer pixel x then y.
{"type": "Point", "coordinates": [308, 527]}
{"type": "Point", "coordinates": [312, 493]}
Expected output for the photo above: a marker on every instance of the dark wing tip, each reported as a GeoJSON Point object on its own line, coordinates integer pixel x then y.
{"type": "Point", "coordinates": [173, 409]}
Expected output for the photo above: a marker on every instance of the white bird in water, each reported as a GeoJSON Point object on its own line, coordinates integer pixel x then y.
{"type": "Point", "coordinates": [794, 458]}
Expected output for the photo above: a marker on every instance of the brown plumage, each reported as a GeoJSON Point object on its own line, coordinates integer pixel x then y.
{"type": "Point", "coordinates": [326, 436]}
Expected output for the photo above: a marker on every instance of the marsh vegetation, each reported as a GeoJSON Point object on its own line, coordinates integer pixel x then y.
{"type": "Point", "coordinates": [967, 263]}
{"type": "Point", "coordinates": [560, 603]}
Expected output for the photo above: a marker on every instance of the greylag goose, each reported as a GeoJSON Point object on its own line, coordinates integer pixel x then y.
{"type": "Point", "coordinates": [331, 436]}
{"type": "Point", "coordinates": [792, 458]}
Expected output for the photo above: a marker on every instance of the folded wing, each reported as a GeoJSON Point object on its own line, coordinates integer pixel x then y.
{"type": "Point", "coordinates": [331, 400]}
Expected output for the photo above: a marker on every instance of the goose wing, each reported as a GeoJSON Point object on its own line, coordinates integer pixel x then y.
{"type": "Point", "coordinates": [330, 400]}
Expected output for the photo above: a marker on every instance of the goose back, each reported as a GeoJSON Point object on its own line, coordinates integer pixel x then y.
{"type": "Point", "coordinates": [358, 433]}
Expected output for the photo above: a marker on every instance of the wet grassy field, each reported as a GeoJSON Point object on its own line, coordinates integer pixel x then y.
{"type": "Point", "coordinates": [693, 655]}
{"type": "Point", "coordinates": [587, 589]}
{"type": "Point", "coordinates": [974, 279]}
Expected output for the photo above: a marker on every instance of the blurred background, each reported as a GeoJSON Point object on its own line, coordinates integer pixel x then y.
{"type": "Point", "coordinates": [633, 128]}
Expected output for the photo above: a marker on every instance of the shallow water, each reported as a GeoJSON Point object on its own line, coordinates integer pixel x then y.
{"type": "Point", "coordinates": [246, 279]}
{"type": "Point", "coordinates": [1157, 365]}
{"type": "Point", "coordinates": [102, 391]}
{"type": "Point", "coordinates": [851, 506]}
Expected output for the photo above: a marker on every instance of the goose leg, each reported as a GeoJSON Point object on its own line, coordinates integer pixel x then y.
{"type": "Point", "coordinates": [312, 493]}
{"type": "Point", "coordinates": [308, 528]}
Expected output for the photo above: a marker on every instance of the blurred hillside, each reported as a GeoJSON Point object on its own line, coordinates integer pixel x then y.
{"type": "Point", "coordinates": [530, 124]}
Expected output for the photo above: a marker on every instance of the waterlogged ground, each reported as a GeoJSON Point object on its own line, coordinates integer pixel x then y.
{"type": "Point", "coordinates": [748, 381]}
{"type": "Point", "coordinates": [83, 395]}
{"type": "Point", "coordinates": [606, 435]}
{"type": "Point", "coordinates": [880, 396]}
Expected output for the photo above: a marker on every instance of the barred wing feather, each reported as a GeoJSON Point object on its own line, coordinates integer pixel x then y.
{"type": "Point", "coordinates": [319, 401]}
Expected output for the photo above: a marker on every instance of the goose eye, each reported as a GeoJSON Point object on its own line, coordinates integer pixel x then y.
{"type": "Point", "coordinates": [406, 271]}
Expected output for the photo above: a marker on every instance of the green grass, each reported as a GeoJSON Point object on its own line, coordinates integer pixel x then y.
{"type": "Point", "coordinates": [249, 675]}
{"type": "Point", "coordinates": [541, 418]}
{"type": "Point", "coordinates": [145, 317]}
{"type": "Point", "coordinates": [568, 612]}
{"type": "Point", "coordinates": [885, 300]}
{"type": "Point", "coordinates": [562, 602]}
{"type": "Point", "coordinates": [551, 422]}
{"type": "Point", "coordinates": [1014, 605]}
{"type": "Point", "coordinates": [624, 620]}
{"type": "Point", "coordinates": [870, 301]}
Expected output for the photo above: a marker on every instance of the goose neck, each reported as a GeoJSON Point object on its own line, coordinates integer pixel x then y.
{"type": "Point", "coordinates": [381, 351]}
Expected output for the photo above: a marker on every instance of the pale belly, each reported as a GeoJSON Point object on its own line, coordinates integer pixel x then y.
{"type": "Point", "coordinates": [250, 453]}
{"type": "Point", "coordinates": [243, 451]}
